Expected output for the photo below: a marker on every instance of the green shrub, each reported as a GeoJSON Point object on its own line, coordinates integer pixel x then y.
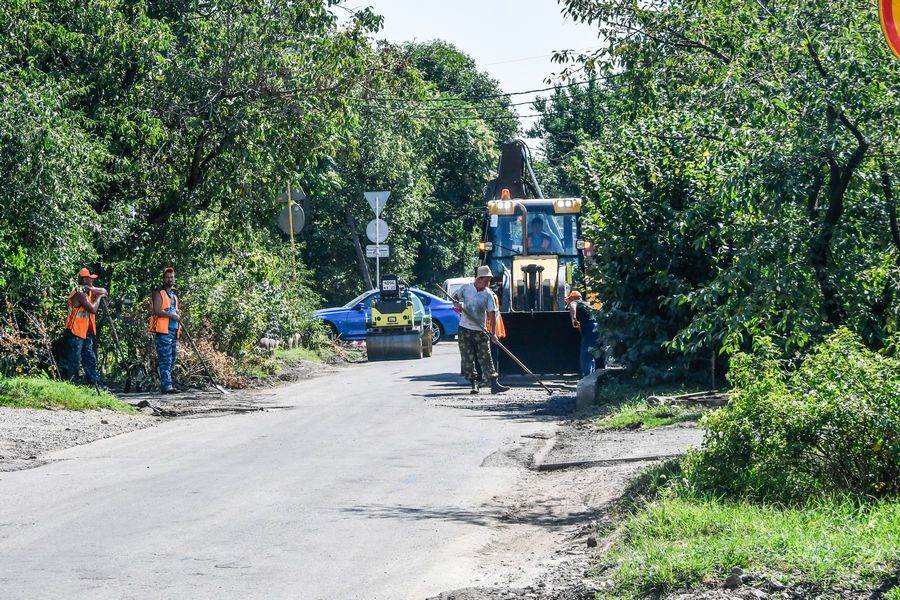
{"type": "Point", "coordinates": [832, 427]}
{"type": "Point", "coordinates": [245, 298]}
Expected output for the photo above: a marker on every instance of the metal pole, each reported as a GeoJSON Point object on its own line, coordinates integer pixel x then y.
{"type": "Point", "coordinates": [377, 243]}
{"type": "Point", "coordinates": [290, 206]}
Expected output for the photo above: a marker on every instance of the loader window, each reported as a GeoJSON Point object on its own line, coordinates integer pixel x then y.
{"type": "Point", "coordinates": [561, 232]}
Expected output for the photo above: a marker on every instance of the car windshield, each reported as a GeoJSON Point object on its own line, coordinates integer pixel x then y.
{"type": "Point", "coordinates": [548, 234]}
{"type": "Point", "coordinates": [358, 299]}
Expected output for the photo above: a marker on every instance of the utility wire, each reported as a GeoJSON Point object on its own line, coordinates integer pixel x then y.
{"type": "Point", "coordinates": [501, 95]}
{"type": "Point", "coordinates": [448, 108]}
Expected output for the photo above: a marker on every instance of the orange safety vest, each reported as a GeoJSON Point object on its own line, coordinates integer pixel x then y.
{"type": "Point", "coordinates": [161, 324]}
{"type": "Point", "coordinates": [79, 321]}
{"type": "Point", "coordinates": [501, 328]}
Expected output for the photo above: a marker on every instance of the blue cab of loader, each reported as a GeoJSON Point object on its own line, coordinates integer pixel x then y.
{"type": "Point", "coordinates": [395, 330]}
{"type": "Point", "coordinates": [535, 249]}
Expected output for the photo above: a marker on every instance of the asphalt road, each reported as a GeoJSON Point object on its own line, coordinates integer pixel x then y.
{"type": "Point", "coordinates": [365, 488]}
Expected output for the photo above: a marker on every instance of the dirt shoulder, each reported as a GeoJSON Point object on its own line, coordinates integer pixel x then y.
{"type": "Point", "coordinates": [543, 542]}
{"type": "Point", "coordinates": [26, 435]}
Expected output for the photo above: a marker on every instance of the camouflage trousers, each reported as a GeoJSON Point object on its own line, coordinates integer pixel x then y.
{"type": "Point", "coordinates": [475, 346]}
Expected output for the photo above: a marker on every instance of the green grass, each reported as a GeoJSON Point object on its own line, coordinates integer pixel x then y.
{"type": "Point", "coordinates": [677, 543]}
{"type": "Point", "coordinates": [298, 354]}
{"type": "Point", "coordinates": [615, 392]}
{"type": "Point", "coordinates": [640, 414]}
{"type": "Point", "coordinates": [37, 392]}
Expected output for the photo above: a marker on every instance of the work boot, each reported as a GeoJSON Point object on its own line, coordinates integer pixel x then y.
{"type": "Point", "coordinates": [474, 389]}
{"type": "Point", "coordinates": [497, 387]}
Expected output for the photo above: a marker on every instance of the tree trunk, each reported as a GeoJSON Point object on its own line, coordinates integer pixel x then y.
{"type": "Point", "coordinates": [360, 255]}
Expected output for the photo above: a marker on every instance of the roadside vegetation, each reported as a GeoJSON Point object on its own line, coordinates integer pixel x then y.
{"type": "Point", "coordinates": [43, 393]}
{"type": "Point", "coordinates": [302, 354]}
{"type": "Point", "coordinates": [798, 480]}
{"type": "Point", "coordinates": [737, 163]}
{"type": "Point", "coordinates": [677, 543]}
{"type": "Point", "coordinates": [629, 405]}
{"type": "Point", "coordinates": [642, 415]}
{"type": "Point", "coordinates": [116, 155]}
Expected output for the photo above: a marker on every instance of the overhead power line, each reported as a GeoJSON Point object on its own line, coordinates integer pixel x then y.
{"type": "Point", "coordinates": [451, 108]}
{"type": "Point", "coordinates": [491, 96]}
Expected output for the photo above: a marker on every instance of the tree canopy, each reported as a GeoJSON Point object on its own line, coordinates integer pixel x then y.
{"type": "Point", "coordinates": [739, 160]}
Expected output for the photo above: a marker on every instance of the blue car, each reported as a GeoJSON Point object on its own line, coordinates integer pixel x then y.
{"type": "Point", "coordinates": [348, 322]}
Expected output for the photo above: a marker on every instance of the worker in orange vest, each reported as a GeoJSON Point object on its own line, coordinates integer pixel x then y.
{"type": "Point", "coordinates": [81, 329]}
{"type": "Point", "coordinates": [165, 325]}
{"type": "Point", "coordinates": [501, 328]}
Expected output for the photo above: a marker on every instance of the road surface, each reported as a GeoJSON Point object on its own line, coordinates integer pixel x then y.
{"type": "Point", "coordinates": [366, 487]}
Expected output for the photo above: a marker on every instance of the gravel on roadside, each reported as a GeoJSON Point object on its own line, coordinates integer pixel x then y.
{"type": "Point", "coordinates": [26, 434]}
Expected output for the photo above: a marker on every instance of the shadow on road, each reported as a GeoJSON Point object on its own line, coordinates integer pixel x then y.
{"type": "Point", "coordinates": [540, 516]}
{"type": "Point", "coordinates": [501, 406]}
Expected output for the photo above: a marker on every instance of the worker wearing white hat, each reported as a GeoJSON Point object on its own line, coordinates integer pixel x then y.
{"type": "Point", "coordinates": [474, 341]}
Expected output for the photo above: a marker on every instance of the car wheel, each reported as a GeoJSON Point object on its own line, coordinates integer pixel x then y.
{"type": "Point", "coordinates": [437, 332]}
{"type": "Point", "coordinates": [333, 333]}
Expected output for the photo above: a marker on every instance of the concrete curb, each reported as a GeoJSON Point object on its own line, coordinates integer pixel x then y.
{"type": "Point", "coordinates": [606, 462]}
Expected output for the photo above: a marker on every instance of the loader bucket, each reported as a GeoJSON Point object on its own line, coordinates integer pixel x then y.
{"type": "Point", "coordinates": [545, 342]}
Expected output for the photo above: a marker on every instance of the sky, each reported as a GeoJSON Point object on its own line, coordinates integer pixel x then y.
{"type": "Point", "coordinates": [512, 40]}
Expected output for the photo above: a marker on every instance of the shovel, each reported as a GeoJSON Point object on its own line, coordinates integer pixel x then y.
{"type": "Point", "coordinates": [202, 362]}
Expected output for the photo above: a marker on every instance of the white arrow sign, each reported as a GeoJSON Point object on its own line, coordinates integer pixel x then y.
{"type": "Point", "coordinates": [377, 200]}
{"type": "Point", "coordinates": [377, 230]}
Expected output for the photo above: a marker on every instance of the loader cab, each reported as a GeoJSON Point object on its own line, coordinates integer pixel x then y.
{"type": "Point", "coordinates": [535, 250]}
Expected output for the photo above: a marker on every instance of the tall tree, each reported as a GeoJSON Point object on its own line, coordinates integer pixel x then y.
{"type": "Point", "coordinates": [750, 137]}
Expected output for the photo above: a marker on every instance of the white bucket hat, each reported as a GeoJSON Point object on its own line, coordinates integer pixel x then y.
{"type": "Point", "coordinates": [483, 271]}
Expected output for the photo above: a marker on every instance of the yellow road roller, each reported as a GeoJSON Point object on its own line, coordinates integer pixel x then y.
{"type": "Point", "coordinates": [398, 328]}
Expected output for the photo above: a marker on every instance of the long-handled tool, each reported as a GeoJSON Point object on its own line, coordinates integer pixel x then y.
{"type": "Point", "coordinates": [499, 344]}
{"type": "Point", "coordinates": [118, 345]}
{"type": "Point", "coordinates": [202, 362]}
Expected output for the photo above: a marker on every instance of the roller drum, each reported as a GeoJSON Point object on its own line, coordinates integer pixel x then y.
{"type": "Point", "coordinates": [393, 346]}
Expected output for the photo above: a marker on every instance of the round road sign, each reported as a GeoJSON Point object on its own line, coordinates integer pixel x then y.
{"type": "Point", "coordinates": [377, 230]}
{"type": "Point", "coordinates": [299, 219]}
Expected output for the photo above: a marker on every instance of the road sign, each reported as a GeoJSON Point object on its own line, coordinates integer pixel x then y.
{"type": "Point", "coordinates": [890, 23]}
{"type": "Point", "coordinates": [377, 251]}
{"type": "Point", "coordinates": [377, 230]}
{"type": "Point", "coordinates": [299, 219]}
{"type": "Point", "coordinates": [377, 200]}
{"type": "Point", "coordinates": [297, 195]}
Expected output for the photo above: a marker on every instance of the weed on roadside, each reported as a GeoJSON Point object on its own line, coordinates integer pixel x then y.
{"type": "Point", "coordinates": [42, 393]}
{"type": "Point", "coordinates": [299, 354]}
{"type": "Point", "coordinates": [678, 543]}
{"type": "Point", "coordinates": [642, 415]}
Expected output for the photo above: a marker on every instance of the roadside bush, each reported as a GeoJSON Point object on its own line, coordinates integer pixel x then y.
{"type": "Point", "coordinates": [830, 428]}
{"type": "Point", "coordinates": [245, 298]}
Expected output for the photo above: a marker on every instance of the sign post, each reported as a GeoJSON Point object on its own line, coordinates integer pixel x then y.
{"type": "Point", "coordinates": [889, 10]}
{"type": "Point", "coordinates": [292, 221]}
{"type": "Point", "coordinates": [377, 230]}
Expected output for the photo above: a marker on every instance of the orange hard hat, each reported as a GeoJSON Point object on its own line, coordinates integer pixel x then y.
{"type": "Point", "coordinates": [167, 269]}
{"type": "Point", "coordinates": [574, 295]}
{"type": "Point", "coordinates": [85, 272]}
